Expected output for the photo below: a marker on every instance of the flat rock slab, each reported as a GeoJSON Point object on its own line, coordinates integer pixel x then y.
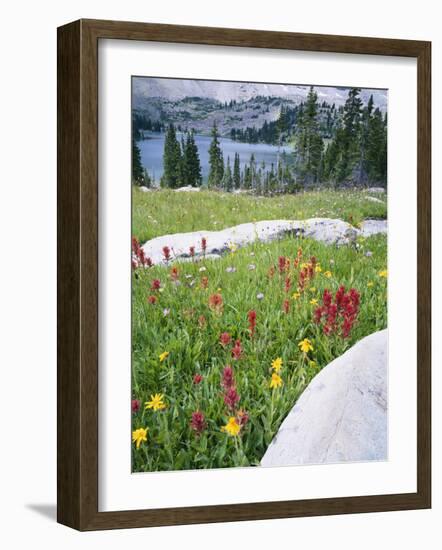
{"type": "Point", "coordinates": [373, 227]}
{"type": "Point", "coordinates": [342, 414]}
{"type": "Point", "coordinates": [326, 230]}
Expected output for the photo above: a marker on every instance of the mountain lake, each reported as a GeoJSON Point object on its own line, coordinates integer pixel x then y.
{"type": "Point", "coordinates": [152, 148]}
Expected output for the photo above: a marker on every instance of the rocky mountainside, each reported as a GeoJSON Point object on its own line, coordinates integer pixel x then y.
{"type": "Point", "coordinates": [198, 104]}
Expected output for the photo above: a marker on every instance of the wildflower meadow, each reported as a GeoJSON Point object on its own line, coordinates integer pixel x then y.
{"type": "Point", "coordinates": [222, 349]}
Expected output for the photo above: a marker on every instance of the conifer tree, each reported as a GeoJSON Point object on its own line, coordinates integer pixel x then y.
{"type": "Point", "coordinates": [236, 172]}
{"type": "Point", "coordinates": [216, 160]}
{"type": "Point", "coordinates": [191, 162]}
{"type": "Point", "coordinates": [172, 160]}
{"type": "Point", "coordinates": [309, 143]}
{"type": "Point", "coordinates": [137, 167]}
{"type": "Point", "coordinates": [348, 143]}
{"type": "Point", "coordinates": [227, 181]}
{"type": "Point", "coordinates": [376, 156]}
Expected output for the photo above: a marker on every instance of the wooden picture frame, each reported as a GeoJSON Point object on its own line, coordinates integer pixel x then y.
{"type": "Point", "coordinates": [78, 274]}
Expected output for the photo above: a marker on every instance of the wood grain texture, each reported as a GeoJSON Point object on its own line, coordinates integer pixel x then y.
{"type": "Point", "coordinates": [77, 226]}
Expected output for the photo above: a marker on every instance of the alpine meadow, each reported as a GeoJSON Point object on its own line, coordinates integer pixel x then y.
{"type": "Point", "coordinates": [259, 274]}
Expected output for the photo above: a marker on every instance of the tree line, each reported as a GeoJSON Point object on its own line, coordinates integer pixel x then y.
{"type": "Point", "coordinates": [333, 146]}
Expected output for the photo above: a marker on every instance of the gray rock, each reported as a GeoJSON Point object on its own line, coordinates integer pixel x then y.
{"type": "Point", "coordinates": [342, 414]}
{"type": "Point", "coordinates": [145, 189]}
{"type": "Point", "coordinates": [326, 230]}
{"type": "Point", "coordinates": [329, 231]}
{"type": "Point", "coordinates": [376, 190]}
{"type": "Point", "coordinates": [373, 227]}
{"type": "Point", "coordinates": [187, 189]}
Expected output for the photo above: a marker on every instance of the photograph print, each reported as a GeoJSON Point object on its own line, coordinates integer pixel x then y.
{"type": "Point", "coordinates": [259, 274]}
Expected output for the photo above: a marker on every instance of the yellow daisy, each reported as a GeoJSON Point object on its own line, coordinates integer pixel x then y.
{"type": "Point", "coordinates": [305, 345]}
{"type": "Point", "coordinates": [163, 356]}
{"type": "Point", "coordinates": [277, 364]}
{"type": "Point", "coordinates": [156, 402]}
{"type": "Point", "coordinates": [139, 435]}
{"type": "Point", "coordinates": [276, 381]}
{"type": "Point", "coordinates": [232, 427]}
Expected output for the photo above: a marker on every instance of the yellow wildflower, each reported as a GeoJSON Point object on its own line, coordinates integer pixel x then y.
{"type": "Point", "coordinates": [138, 436]}
{"type": "Point", "coordinates": [314, 302]}
{"type": "Point", "coordinates": [277, 364]}
{"type": "Point", "coordinates": [163, 356]}
{"type": "Point", "coordinates": [370, 284]}
{"type": "Point", "coordinates": [383, 273]}
{"type": "Point", "coordinates": [232, 427]}
{"type": "Point", "coordinates": [312, 289]}
{"type": "Point", "coordinates": [296, 295]}
{"type": "Point", "coordinates": [276, 381]}
{"type": "Point", "coordinates": [318, 269]}
{"type": "Point", "coordinates": [156, 402]}
{"type": "Point", "coordinates": [313, 364]}
{"type": "Point", "coordinates": [327, 274]}
{"type": "Point", "coordinates": [305, 345]}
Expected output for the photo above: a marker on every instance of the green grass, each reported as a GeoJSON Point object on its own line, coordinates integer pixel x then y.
{"type": "Point", "coordinates": [164, 212]}
{"type": "Point", "coordinates": [195, 348]}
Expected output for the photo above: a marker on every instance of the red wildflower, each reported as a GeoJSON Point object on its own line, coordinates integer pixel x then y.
{"type": "Point", "coordinates": [342, 313]}
{"type": "Point", "coordinates": [271, 272]}
{"type": "Point", "coordinates": [227, 380]}
{"type": "Point", "coordinates": [204, 282]}
{"type": "Point", "coordinates": [152, 300]}
{"type": "Point", "coordinates": [303, 274]}
{"type": "Point", "coordinates": [242, 417]}
{"type": "Point", "coordinates": [237, 350]}
{"type": "Point", "coordinates": [286, 306]}
{"type": "Point", "coordinates": [197, 379]}
{"type": "Point", "coordinates": [216, 303]}
{"type": "Point", "coordinates": [198, 422]}
{"type": "Point", "coordinates": [225, 339]}
{"type": "Point", "coordinates": [204, 244]}
{"type": "Point", "coordinates": [166, 253]}
{"type": "Point", "coordinates": [192, 251]}
{"type": "Point", "coordinates": [138, 256]}
{"type": "Point", "coordinates": [231, 398]}
{"type": "Point", "coordinates": [202, 321]}
{"type": "Point", "coordinates": [135, 405]}
{"type": "Point", "coordinates": [281, 264]}
{"type": "Point", "coordinates": [288, 284]}
{"type": "Point", "coordinates": [174, 273]}
{"type": "Point", "coordinates": [252, 321]}
{"type": "Point", "coordinates": [156, 284]}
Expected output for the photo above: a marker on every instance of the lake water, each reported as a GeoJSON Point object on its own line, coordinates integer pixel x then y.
{"type": "Point", "coordinates": [152, 153]}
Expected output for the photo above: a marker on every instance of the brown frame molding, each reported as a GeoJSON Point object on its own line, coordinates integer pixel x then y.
{"type": "Point", "coordinates": [77, 314]}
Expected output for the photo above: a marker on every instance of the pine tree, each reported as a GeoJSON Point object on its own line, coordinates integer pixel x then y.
{"type": "Point", "coordinates": [349, 137]}
{"type": "Point", "coordinates": [227, 181]}
{"type": "Point", "coordinates": [191, 162]}
{"type": "Point", "coordinates": [216, 160]}
{"type": "Point", "coordinates": [252, 165]}
{"type": "Point", "coordinates": [309, 143]}
{"type": "Point", "coordinates": [236, 172]}
{"type": "Point", "coordinates": [362, 169]}
{"type": "Point", "coordinates": [172, 160]}
{"type": "Point", "coordinates": [137, 167]}
{"type": "Point", "coordinates": [376, 156]}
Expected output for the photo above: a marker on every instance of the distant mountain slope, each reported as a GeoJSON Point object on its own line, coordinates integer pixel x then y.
{"type": "Point", "coordinates": [145, 88]}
